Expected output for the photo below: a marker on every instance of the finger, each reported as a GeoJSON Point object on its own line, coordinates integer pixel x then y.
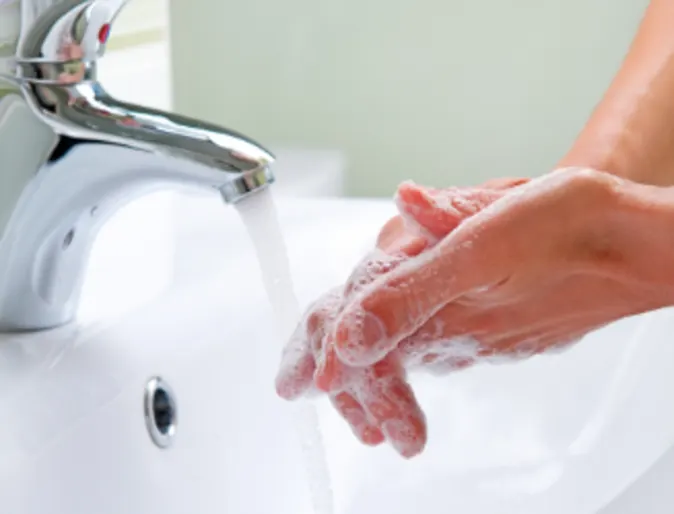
{"type": "Point", "coordinates": [378, 263]}
{"type": "Point", "coordinates": [393, 238]}
{"type": "Point", "coordinates": [298, 362]}
{"type": "Point", "coordinates": [414, 201]}
{"type": "Point", "coordinates": [436, 212]}
{"type": "Point", "coordinates": [319, 324]}
{"type": "Point", "coordinates": [355, 416]}
{"type": "Point", "coordinates": [297, 367]}
{"type": "Point", "coordinates": [321, 315]}
{"type": "Point", "coordinates": [331, 374]}
{"type": "Point", "coordinates": [442, 344]}
{"type": "Point", "coordinates": [504, 333]}
{"type": "Point", "coordinates": [504, 183]}
{"type": "Point", "coordinates": [390, 402]}
{"type": "Point", "coordinates": [440, 366]}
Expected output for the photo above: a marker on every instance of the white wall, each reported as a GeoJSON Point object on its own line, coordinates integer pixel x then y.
{"type": "Point", "coordinates": [139, 16]}
{"type": "Point", "coordinates": [140, 74]}
{"type": "Point", "coordinates": [441, 91]}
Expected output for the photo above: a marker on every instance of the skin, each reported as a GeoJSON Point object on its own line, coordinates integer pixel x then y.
{"type": "Point", "coordinates": [604, 250]}
{"type": "Point", "coordinates": [572, 252]}
{"type": "Point", "coordinates": [520, 267]}
{"type": "Point", "coordinates": [631, 131]}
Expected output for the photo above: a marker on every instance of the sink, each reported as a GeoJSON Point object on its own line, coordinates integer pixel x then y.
{"type": "Point", "coordinates": [576, 432]}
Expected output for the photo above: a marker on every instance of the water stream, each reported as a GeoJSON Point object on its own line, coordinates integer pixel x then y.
{"type": "Point", "coordinates": [259, 215]}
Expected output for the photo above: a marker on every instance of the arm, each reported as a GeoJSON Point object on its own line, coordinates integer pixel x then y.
{"type": "Point", "coordinates": [631, 132]}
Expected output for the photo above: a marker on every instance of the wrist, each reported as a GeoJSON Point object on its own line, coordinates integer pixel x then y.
{"type": "Point", "coordinates": [643, 224]}
{"type": "Point", "coordinates": [644, 167]}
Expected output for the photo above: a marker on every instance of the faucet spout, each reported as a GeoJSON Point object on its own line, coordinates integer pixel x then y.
{"type": "Point", "coordinates": [83, 154]}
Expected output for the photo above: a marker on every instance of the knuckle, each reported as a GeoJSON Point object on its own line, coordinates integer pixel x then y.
{"type": "Point", "coordinates": [591, 182]}
{"type": "Point", "coordinates": [314, 321]}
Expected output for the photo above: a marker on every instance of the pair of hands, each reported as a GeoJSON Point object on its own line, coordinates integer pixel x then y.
{"type": "Point", "coordinates": [510, 269]}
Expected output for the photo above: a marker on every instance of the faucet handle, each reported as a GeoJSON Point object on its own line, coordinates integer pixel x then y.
{"type": "Point", "coordinates": [67, 31]}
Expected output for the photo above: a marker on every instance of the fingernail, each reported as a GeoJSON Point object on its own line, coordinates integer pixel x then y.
{"type": "Point", "coordinates": [360, 338]}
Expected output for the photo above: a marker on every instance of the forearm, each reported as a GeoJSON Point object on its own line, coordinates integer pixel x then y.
{"type": "Point", "coordinates": [631, 132]}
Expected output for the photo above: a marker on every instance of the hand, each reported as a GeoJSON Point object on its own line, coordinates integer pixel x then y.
{"type": "Point", "coordinates": [535, 270]}
{"type": "Point", "coordinates": [310, 348]}
{"type": "Point", "coordinates": [532, 271]}
{"type": "Point", "coordinates": [376, 401]}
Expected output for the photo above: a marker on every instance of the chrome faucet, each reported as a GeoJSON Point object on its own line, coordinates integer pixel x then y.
{"type": "Point", "coordinates": [71, 155]}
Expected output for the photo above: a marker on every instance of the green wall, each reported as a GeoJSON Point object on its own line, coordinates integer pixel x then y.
{"type": "Point", "coordinates": [443, 92]}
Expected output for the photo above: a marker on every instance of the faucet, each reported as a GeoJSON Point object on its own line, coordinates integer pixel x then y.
{"type": "Point", "coordinates": [71, 155]}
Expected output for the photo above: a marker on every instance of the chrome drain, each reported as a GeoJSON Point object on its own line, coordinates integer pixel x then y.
{"type": "Point", "coordinates": [160, 412]}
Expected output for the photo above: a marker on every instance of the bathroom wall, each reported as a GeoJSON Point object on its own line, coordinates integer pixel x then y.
{"type": "Point", "coordinates": [139, 74]}
{"type": "Point", "coordinates": [445, 92]}
{"type": "Point", "coordinates": [140, 22]}
{"type": "Point", "coordinates": [136, 66]}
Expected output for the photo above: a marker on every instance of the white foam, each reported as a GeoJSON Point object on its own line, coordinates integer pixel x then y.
{"type": "Point", "coordinates": [465, 350]}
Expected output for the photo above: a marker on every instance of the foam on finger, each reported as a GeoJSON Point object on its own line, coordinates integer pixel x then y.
{"type": "Point", "coordinates": [354, 414]}
{"type": "Point", "coordinates": [297, 366]}
{"type": "Point", "coordinates": [389, 401]}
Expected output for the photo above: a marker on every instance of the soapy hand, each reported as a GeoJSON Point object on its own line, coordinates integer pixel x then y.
{"type": "Point", "coordinates": [376, 400]}
{"type": "Point", "coordinates": [520, 269]}
{"type": "Point", "coordinates": [536, 270]}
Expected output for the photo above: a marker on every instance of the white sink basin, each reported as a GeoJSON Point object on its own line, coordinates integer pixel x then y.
{"type": "Point", "coordinates": [556, 435]}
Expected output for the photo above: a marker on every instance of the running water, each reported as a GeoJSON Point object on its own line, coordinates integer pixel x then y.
{"type": "Point", "coordinates": [259, 215]}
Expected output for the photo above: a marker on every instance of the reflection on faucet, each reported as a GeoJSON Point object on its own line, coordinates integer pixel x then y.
{"type": "Point", "coordinates": [104, 152]}
{"type": "Point", "coordinates": [75, 70]}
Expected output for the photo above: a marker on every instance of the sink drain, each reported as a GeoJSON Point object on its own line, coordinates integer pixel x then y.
{"type": "Point", "coordinates": [160, 412]}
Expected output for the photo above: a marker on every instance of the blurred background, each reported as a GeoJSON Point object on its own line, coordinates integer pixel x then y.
{"type": "Point", "coordinates": [363, 94]}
